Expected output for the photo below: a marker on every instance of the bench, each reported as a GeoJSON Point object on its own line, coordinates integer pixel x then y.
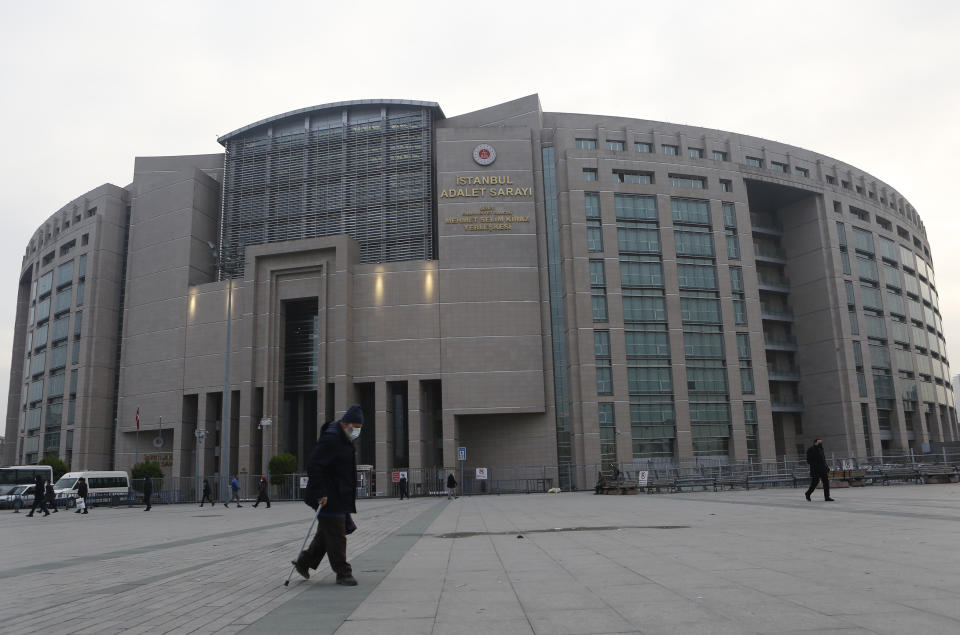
{"type": "Point", "coordinates": [771, 479]}
{"type": "Point", "coordinates": [899, 474]}
{"type": "Point", "coordinates": [693, 481]}
{"type": "Point", "coordinates": [938, 473]}
{"type": "Point", "coordinates": [622, 488]}
{"type": "Point", "coordinates": [872, 475]}
{"type": "Point", "coordinates": [731, 481]}
{"type": "Point", "coordinates": [658, 484]}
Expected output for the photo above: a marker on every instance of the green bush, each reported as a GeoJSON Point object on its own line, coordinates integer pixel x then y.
{"type": "Point", "coordinates": [281, 465]}
{"type": "Point", "coordinates": [59, 467]}
{"type": "Point", "coordinates": [145, 469]}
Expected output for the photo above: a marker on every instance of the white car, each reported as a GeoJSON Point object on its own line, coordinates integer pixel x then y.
{"type": "Point", "coordinates": [8, 497]}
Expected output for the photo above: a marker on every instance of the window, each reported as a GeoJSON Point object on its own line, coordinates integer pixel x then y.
{"type": "Point", "coordinates": [641, 273]}
{"type": "Point", "coordinates": [862, 241]}
{"type": "Point", "coordinates": [776, 166]}
{"type": "Point", "coordinates": [695, 182]}
{"type": "Point", "coordinates": [45, 284]}
{"type": "Point", "coordinates": [586, 144]}
{"type": "Point", "coordinates": [649, 376]}
{"type": "Point", "coordinates": [702, 307]}
{"type": "Point", "coordinates": [82, 266]}
{"type": "Point", "coordinates": [739, 297]}
{"type": "Point", "coordinates": [702, 342]}
{"type": "Point", "coordinates": [730, 215]}
{"type": "Point", "coordinates": [644, 305]}
{"type": "Point", "coordinates": [690, 210]}
{"type": "Point", "coordinates": [733, 244]}
{"type": "Point", "coordinates": [67, 247]}
{"type": "Point", "coordinates": [598, 291]}
{"type": "Point", "coordinates": [91, 212]}
{"type": "Point", "coordinates": [632, 176]}
{"type": "Point", "coordinates": [902, 233]}
{"type": "Point", "coordinates": [77, 323]}
{"type": "Point", "coordinates": [80, 289]}
{"type": "Point", "coordinates": [601, 346]}
{"type": "Point", "coordinates": [831, 180]}
{"type": "Point", "coordinates": [694, 242]}
{"type": "Point", "coordinates": [643, 147]}
{"type": "Point", "coordinates": [861, 214]}
{"type": "Point", "coordinates": [635, 207]}
{"type": "Point", "coordinates": [754, 162]}
{"type": "Point", "coordinates": [845, 185]}
{"type": "Point", "coordinates": [697, 276]}
{"type": "Point", "coordinates": [63, 301]}
{"type": "Point", "coordinates": [804, 172]}
{"type": "Point", "coordinates": [695, 153]}
{"type": "Point", "coordinates": [859, 189]}
{"type": "Point", "coordinates": [726, 185]}
{"type": "Point", "coordinates": [883, 222]}
{"type": "Point", "coordinates": [634, 238]}
{"type": "Point", "coordinates": [670, 149]}
{"type": "Point", "coordinates": [43, 310]}
{"type": "Point", "coordinates": [719, 155]}
{"type": "Point", "coordinates": [589, 174]}
{"type": "Point", "coordinates": [608, 433]}
{"type": "Point", "coordinates": [85, 240]}
{"type": "Point", "coordinates": [615, 146]}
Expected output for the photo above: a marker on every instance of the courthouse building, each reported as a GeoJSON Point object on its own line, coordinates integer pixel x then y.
{"type": "Point", "coordinates": [543, 289]}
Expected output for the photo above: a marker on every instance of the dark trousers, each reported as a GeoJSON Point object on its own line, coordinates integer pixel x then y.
{"type": "Point", "coordinates": [38, 501]}
{"type": "Point", "coordinates": [262, 497]}
{"type": "Point", "coordinates": [819, 479]}
{"type": "Point", "coordinates": [403, 492]}
{"type": "Point", "coordinates": [206, 497]}
{"type": "Point", "coordinates": [331, 539]}
{"type": "Point", "coordinates": [146, 500]}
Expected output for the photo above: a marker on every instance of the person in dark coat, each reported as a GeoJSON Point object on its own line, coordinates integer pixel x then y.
{"type": "Point", "coordinates": [82, 491]}
{"type": "Point", "coordinates": [402, 488]}
{"type": "Point", "coordinates": [263, 494]}
{"type": "Point", "coordinates": [332, 491]}
{"type": "Point", "coordinates": [147, 492]}
{"type": "Point", "coordinates": [451, 486]}
{"type": "Point", "coordinates": [39, 500]}
{"type": "Point", "coordinates": [51, 497]}
{"type": "Point", "coordinates": [818, 470]}
{"type": "Point", "coordinates": [207, 496]}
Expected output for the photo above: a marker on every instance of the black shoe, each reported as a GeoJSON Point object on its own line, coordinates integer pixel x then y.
{"type": "Point", "coordinates": [829, 500]}
{"type": "Point", "coordinates": [254, 506]}
{"type": "Point", "coordinates": [227, 506]}
{"type": "Point", "coordinates": [78, 511]}
{"type": "Point", "coordinates": [268, 506]}
{"type": "Point", "coordinates": [808, 496]}
{"type": "Point", "coordinates": [30, 515]}
{"type": "Point", "coordinates": [239, 505]}
{"type": "Point", "coordinates": [84, 511]}
{"type": "Point", "coordinates": [46, 514]}
{"type": "Point", "coordinates": [347, 580]}
{"type": "Point", "coordinates": [301, 569]}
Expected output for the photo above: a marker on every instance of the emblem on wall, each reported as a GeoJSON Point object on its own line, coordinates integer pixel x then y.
{"type": "Point", "coordinates": [484, 154]}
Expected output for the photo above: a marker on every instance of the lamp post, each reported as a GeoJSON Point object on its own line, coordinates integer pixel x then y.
{"type": "Point", "coordinates": [226, 267]}
{"type": "Point", "coordinates": [264, 427]}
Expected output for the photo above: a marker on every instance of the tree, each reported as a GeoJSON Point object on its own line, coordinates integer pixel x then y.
{"type": "Point", "coordinates": [281, 465]}
{"type": "Point", "coordinates": [145, 469]}
{"type": "Point", "coordinates": [59, 467]}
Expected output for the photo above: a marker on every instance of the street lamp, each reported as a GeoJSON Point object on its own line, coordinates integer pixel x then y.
{"type": "Point", "coordinates": [264, 426]}
{"type": "Point", "coordinates": [226, 266]}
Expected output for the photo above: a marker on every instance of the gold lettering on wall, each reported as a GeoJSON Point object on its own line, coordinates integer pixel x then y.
{"type": "Point", "coordinates": [493, 187]}
{"type": "Point", "coordinates": [487, 220]}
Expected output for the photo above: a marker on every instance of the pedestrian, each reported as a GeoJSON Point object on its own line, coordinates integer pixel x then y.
{"type": "Point", "coordinates": [451, 486]}
{"type": "Point", "coordinates": [818, 470]}
{"type": "Point", "coordinates": [206, 493]}
{"type": "Point", "coordinates": [147, 492]}
{"type": "Point", "coordinates": [263, 495]}
{"type": "Point", "coordinates": [51, 497]}
{"type": "Point", "coordinates": [82, 491]}
{"type": "Point", "coordinates": [39, 500]}
{"type": "Point", "coordinates": [332, 491]}
{"type": "Point", "coordinates": [402, 487]}
{"type": "Point", "coordinates": [235, 488]}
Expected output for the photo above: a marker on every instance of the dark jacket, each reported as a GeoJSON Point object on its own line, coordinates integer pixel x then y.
{"type": "Point", "coordinates": [817, 461]}
{"type": "Point", "coordinates": [451, 482]}
{"type": "Point", "coordinates": [263, 486]}
{"type": "Point", "coordinates": [332, 469]}
{"type": "Point", "coordinates": [147, 487]}
{"type": "Point", "coordinates": [50, 494]}
{"type": "Point", "coordinates": [82, 489]}
{"type": "Point", "coordinates": [38, 488]}
{"type": "Point", "coordinates": [206, 487]}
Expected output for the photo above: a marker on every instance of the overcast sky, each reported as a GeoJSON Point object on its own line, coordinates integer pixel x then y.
{"type": "Point", "coordinates": [87, 86]}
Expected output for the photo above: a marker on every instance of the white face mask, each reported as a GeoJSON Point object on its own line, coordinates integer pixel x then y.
{"type": "Point", "coordinates": [354, 433]}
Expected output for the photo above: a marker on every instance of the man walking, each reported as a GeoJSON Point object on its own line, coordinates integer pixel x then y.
{"type": "Point", "coordinates": [332, 489]}
{"type": "Point", "coordinates": [451, 486]}
{"type": "Point", "coordinates": [39, 499]}
{"type": "Point", "coordinates": [818, 470]}
{"type": "Point", "coordinates": [51, 497]}
{"type": "Point", "coordinates": [235, 488]}
{"type": "Point", "coordinates": [147, 492]}
{"type": "Point", "coordinates": [263, 495]}
{"type": "Point", "coordinates": [206, 493]}
{"type": "Point", "coordinates": [82, 491]}
{"type": "Point", "coordinates": [402, 487]}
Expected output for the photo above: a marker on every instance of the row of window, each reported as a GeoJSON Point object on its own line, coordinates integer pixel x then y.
{"type": "Point", "coordinates": [640, 177]}
{"type": "Point", "coordinates": [54, 231]}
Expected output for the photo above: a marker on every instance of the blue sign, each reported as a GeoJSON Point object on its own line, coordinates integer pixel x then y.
{"type": "Point", "coordinates": [461, 454]}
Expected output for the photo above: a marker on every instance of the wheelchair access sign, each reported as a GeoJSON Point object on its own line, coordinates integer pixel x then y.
{"type": "Point", "coordinates": [461, 454]}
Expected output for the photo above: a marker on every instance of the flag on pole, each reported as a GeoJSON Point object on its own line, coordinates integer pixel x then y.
{"type": "Point", "coordinates": [138, 418]}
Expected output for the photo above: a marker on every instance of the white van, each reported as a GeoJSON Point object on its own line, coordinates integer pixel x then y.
{"type": "Point", "coordinates": [97, 483]}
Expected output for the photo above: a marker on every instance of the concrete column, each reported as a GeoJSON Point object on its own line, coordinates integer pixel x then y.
{"type": "Point", "coordinates": [383, 452]}
{"type": "Point", "coordinates": [449, 440]}
{"type": "Point", "coordinates": [247, 434]}
{"type": "Point", "coordinates": [414, 426]}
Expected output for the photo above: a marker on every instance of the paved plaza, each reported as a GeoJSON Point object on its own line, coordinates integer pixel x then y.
{"type": "Point", "coordinates": [879, 560]}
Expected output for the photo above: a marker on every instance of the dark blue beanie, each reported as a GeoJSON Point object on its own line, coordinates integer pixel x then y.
{"type": "Point", "coordinates": [353, 415]}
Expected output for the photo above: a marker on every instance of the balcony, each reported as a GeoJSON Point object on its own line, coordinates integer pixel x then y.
{"type": "Point", "coordinates": [779, 342]}
{"type": "Point", "coordinates": [783, 372]}
{"type": "Point", "coordinates": [776, 314]}
{"type": "Point", "coordinates": [786, 403]}
{"type": "Point", "coordinates": [765, 225]}
{"type": "Point", "coordinates": [769, 253]}
{"type": "Point", "coordinates": [773, 284]}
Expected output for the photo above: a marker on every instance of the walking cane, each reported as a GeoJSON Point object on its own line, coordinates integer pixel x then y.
{"type": "Point", "coordinates": [305, 538]}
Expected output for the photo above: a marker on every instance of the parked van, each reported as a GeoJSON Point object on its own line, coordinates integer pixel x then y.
{"type": "Point", "coordinates": [97, 483]}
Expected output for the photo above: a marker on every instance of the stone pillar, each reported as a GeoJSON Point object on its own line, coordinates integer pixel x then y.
{"type": "Point", "coordinates": [383, 451]}
{"type": "Point", "coordinates": [414, 427]}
